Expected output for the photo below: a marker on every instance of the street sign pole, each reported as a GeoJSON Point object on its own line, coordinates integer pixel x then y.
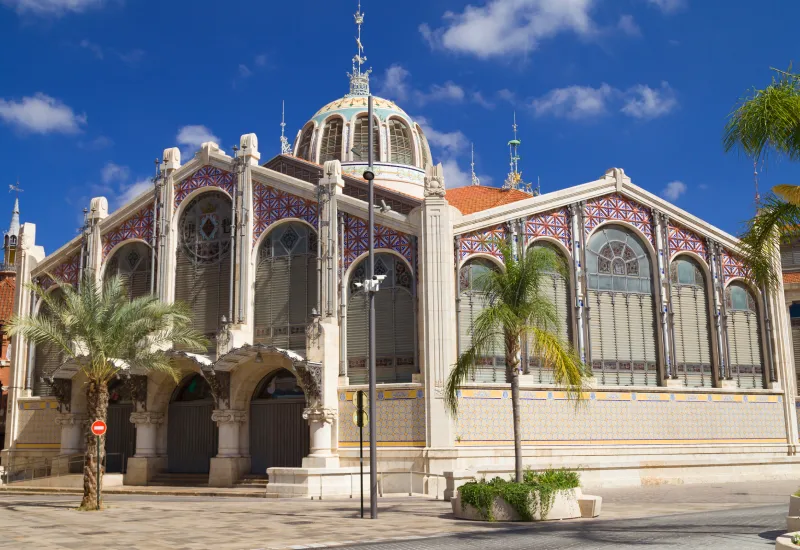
{"type": "Point", "coordinates": [99, 430]}
{"type": "Point", "coordinates": [373, 436]}
{"type": "Point", "coordinates": [361, 445]}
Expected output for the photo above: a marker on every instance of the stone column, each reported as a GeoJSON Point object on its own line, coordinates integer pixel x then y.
{"type": "Point", "coordinates": [662, 252]}
{"type": "Point", "coordinates": [331, 186]}
{"type": "Point", "coordinates": [166, 244]}
{"type": "Point", "coordinates": [146, 463]}
{"type": "Point", "coordinates": [227, 467]}
{"type": "Point", "coordinates": [248, 151]}
{"type": "Point", "coordinates": [72, 431]}
{"type": "Point", "coordinates": [320, 420]}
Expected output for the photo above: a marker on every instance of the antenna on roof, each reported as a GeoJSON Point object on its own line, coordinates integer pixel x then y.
{"type": "Point", "coordinates": [286, 149]}
{"type": "Point", "coordinates": [475, 179]}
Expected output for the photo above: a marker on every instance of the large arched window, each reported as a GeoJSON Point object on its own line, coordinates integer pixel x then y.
{"type": "Point", "coordinates": [361, 139]}
{"type": "Point", "coordinates": [395, 323]}
{"type": "Point", "coordinates": [424, 150]}
{"type": "Point", "coordinates": [331, 146]}
{"type": "Point", "coordinates": [556, 288]}
{"type": "Point", "coordinates": [131, 262]}
{"type": "Point", "coordinates": [620, 298]}
{"type": "Point", "coordinates": [46, 357]}
{"type": "Point", "coordinates": [203, 263]}
{"type": "Point", "coordinates": [691, 322]}
{"type": "Point", "coordinates": [401, 145]}
{"type": "Point", "coordinates": [304, 147]}
{"type": "Point", "coordinates": [745, 360]}
{"type": "Point", "coordinates": [286, 286]}
{"type": "Point", "coordinates": [471, 302]}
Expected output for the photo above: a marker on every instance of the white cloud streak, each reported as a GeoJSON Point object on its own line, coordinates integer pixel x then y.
{"type": "Point", "coordinates": [194, 135]}
{"type": "Point", "coordinates": [668, 6]}
{"type": "Point", "coordinates": [585, 102]}
{"type": "Point", "coordinates": [114, 173]}
{"type": "Point", "coordinates": [674, 190]}
{"type": "Point", "coordinates": [52, 8]}
{"type": "Point", "coordinates": [396, 84]}
{"type": "Point", "coordinates": [41, 114]}
{"type": "Point", "coordinates": [628, 25]}
{"type": "Point", "coordinates": [644, 102]}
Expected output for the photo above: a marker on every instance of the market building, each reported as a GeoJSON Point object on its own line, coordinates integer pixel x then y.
{"type": "Point", "coordinates": [693, 367]}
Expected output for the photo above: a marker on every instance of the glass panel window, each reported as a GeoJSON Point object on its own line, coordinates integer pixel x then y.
{"type": "Point", "coordinates": [331, 147]}
{"type": "Point", "coordinates": [401, 142]}
{"type": "Point", "coordinates": [361, 140]}
{"type": "Point", "coordinates": [304, 150]}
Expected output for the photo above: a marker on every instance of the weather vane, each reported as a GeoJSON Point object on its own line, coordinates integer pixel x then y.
{"type": "Point", "coordinates": [475, 179]}
{"type": "Point", "coordinates": [15, 188]}
{"type": "Point", "coordinates": [359, 81]}
{"type": "Point", "coordinates": [514, 177]}
{"type": "Point", "coordinates": [286, 149]}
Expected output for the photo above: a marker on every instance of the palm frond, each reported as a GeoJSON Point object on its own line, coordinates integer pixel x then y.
{"type": "Point", "coordinates": [789, 193]}
{"type": "Point", "coordinates": [759, 242]}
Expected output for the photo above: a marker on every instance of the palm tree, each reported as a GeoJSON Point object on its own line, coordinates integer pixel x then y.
{"type": "Point", "coordinates": [105, 332]}
{"type": "Point", "coordinates": [767, 122]}
{"type": "Point", "coordinates": [518, 310]}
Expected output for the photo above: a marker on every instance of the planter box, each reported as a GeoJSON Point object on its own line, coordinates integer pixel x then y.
{"type": "Point", "coordinates": [794, 506]}
{"type": "Point", "coordinates": [784, 542]}
{"type": "Point", "coordinates": [565, 506]}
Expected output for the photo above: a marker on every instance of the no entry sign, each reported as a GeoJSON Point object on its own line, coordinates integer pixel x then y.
{"type": "Point", "coordinates": [99, 428]}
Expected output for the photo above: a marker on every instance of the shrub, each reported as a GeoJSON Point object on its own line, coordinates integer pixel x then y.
{"type": "Point", "coordinates": [520, 496]}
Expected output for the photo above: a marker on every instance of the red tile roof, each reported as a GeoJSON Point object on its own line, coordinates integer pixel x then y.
{"type": "Point", "coordinates": [476, 198]}
{"type": "Point", "coordinates": [791, 278]}
{"type": "Point", "coordinates": [7, 286]}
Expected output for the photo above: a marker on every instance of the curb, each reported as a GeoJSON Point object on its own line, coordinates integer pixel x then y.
{"type": "Point", "coordinates": [56, 491]}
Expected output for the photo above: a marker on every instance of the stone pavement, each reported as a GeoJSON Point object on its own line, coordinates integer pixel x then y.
{"type": "Point", "coordinates": [177, 522]}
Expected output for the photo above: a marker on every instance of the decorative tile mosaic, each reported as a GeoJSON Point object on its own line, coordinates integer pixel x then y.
{"type": "Point", "coordinates": [619, 208]}
{"type": "Point", "coordinates": [207, 176]}
{"type": "Point", "coordinates": [620, 417]}
{"type": "Point", "coordinates": [732, 266]}
{"type": "Point", "coordinates": [685, 240]}
{"type": "Point", "coordinates": [271, 205]}
{"type": "Point", "coordinates": [483, 241]}
{"type": "Point", "coordinates": [553, 224]}
{"type": "Point", "coordinates": [356, 240]}
{"type": "Point", "coordinates": [138, 226]}
{"type": "Point", "coordinates": [67, 271]}
{"type": "Point", "coordinates": [400, 418]}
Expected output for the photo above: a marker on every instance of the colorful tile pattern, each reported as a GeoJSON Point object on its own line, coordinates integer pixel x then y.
{"type": "Point", "coordinates": [138, 226]}
{"type": "Point", "coordinates": [553, 224]}
{"type": "Point", "coordinates": [732, 266]}
{"type": "Point", "coordinates": [400, 418]}
{"type": "Point", "coordinates": [356, 240]}
{"type": "Point", "coordinates": [484, 241]}
{"type": "Point", "coordinates": [67, 271]}
{"type": "Point", "coordinates": [207, 176]}
{"type": "Point", "coordinates": [619, 208]}
{"type": "Point", "coordinates": [685, 240]}
{"type": "Point", "coordinates": [271, 205]}
{"type": "Point", "coordinates": [619, 417]}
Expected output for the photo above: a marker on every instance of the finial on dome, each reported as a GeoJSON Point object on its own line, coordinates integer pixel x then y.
{"type": "Point", "coordinates": [475, 179]}
{"type": "Point", "coordinates": [514, 177]}
{"type": "Point", "coordinates": [359, 81]}
{"type": "Point", "coordinates": [286, 149]}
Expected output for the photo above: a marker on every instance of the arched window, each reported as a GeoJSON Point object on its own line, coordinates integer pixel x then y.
{"type": "Point", "coordinates": [620, 298]}
{"type": "Point", "coordinates": [401, 145]}
{"type": "Point", "coordinates": [471, 302]}
{"type": "Point", "coordinates": [304, 148]}
{"type": "Point", "coordinates": [203, 264]}
{"type": "Point", "coordinates": [395, 324]}
{"type": "Point", "coordinates": [556, 288]}
{"type": "Point", "coordinates": [361, 140]}
{"type": "Point", "coordinates": [286, 286]}
{"type": "Point", "coordinates": [131, 263]}
{"type": "Point", "coordinates": [47, 357]}
{"type": "Point", "coordinates": [193, 388]}
{"type": "Point", "coordinates": [424, 149]}
{"type": "Point", "coordinates": [331, 146]}
{"type": "Point", "coordinates": [744, 337]}
{"type": "Point", "coordinates": [691, 323]}
{"type": "Point", "coordinates": [281, 384]}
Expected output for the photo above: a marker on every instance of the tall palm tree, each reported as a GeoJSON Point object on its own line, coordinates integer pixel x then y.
{"type": "Point", "coordinates": [518, 310]}
{"type": "Point", "coordinates": [767, 122]}
{"type": "Point", "coordinates": [105, 332]}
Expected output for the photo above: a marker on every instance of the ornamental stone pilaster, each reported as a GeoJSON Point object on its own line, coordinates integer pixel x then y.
{"type": "Point", "coordinates": [72, 428]}
{"type": "Point", "coordinates": [228, 421]}
{"type": "Point", "coordinates": [320, 421]}
{"type": "Point", "coordinates": [147, 424]}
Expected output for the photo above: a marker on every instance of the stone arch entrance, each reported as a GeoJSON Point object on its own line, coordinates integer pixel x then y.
{"type": "Point", "coordinates": [279, 436]}
{"type": "Point", "coordinates": [121, 436]}
{"type": "Point", "coordinates": [191, 434]}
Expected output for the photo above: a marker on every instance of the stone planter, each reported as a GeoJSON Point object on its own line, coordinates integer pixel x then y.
{"type": "Point", "coordinates": [565, 506]}
{"type": "Point", "coordinates": [784, 542]}
{"type": "Point", "coordinates": [793, 519]}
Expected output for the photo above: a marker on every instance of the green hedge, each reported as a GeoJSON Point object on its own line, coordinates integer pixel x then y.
{"type": "Point", "coordinates": [520, 496]}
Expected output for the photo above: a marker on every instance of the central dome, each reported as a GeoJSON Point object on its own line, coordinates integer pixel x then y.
{"type": "Point", "coordinates": [339, 131]}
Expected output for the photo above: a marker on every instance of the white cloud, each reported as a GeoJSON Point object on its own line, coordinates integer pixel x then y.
{"type": "Point", "coordinates": [503, 27]}
{"type": "Point", "coordinates": [668, 6]}
{"type": "Point", "coordinates": [478, 98]}
{"type": "Point", "coordinates": [644, 102]}
{"type": "Point", "coordinates": [41, 114]}
{"type": "Point", "coordinates": [507, 95]}
{"type": "Point", "coordinates": [454, 176]}
{"type": "Point", "coordinates": [674, 190]}
{"type": "Point", "coordinates": [448, 148]}
{"type": "Point", "coordinates": [112, 173]}
{"type": "Point", "coordinates": [130, 192]}
{"type": "Point", "coordinates": [703, 186]}
{"type": "Point", "coordinates": [447, 92]}
{"type": "Point", "coordinates": [395, 83]}
{"type": "Point", "coordinates": [131, 57]}
{"type": "Point", "coordinates": [449, 143]}
{"type": "Point", "coordinates": [92, 47]}
{"type": "Point", "coordinates": [628, 25]}
{"type": "Point", "coordinates": [244, 71]}
{"type": "Point", "coordinates": [193, 136]}
{"type": "Point", "coordinates": [261, 60]}
{"type": "Point", "coordinates": [100, 142]}
{"type": "Point", "coordinates": [55, 8]}
{"type": "Point", "coordinates": [574, 102]}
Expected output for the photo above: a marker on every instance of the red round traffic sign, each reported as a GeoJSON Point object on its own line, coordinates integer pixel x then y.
{"type": "Point", "coordinates": [99, 427]}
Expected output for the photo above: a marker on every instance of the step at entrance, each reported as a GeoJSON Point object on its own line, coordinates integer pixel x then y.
{"type": "Point", "coordinates": [179, 480]}
{"type": "Point", "coordinates": [253, 481]}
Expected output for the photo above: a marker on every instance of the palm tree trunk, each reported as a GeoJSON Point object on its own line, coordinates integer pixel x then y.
{"type": "Point", "coordinates": [97, 409]}
{"type": "Point", "coordinates": [512, 360]}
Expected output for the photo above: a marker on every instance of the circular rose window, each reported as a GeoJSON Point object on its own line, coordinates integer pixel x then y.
{"type": "Point", "coordinates": [205, 228]}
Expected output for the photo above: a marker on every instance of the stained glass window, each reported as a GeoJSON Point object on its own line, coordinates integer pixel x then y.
{"type": "Point", "coordinates": [402, 149]}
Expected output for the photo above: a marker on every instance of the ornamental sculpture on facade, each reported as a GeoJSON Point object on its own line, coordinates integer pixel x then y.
{"type": "Point", "coordinates": [320, 415]}
{"type": "Point", "coordinates": [434, 181]}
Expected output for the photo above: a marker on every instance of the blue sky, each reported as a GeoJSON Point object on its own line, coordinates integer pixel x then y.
{"type": "Point", "coordinates": [92, 91]}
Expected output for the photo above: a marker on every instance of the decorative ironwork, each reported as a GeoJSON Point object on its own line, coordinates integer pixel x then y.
{"type": "Point", "coordinates": [732, 266]}
{"type": "Point", "coordinates": [205, 228]}
{"type": "Point", "coordinates": [220, 384]}
{"type": "Point", "coordinates": [271, 205]}
{"type": "Point", "coordinates": [483, 241]}
{"type": "Point", "coordinates": [62, 391]}
{"type": "Point", "coordinates": [67, 271]}
{"type": "Point", "coordinates": [685, 240]}
{"type": "Point", "coordinates": [138, 226]}
{"type": "Point", "coordinates": [356, 240]}
{"type": "Point", "coordinates": [134, 388]}
{"type": "Point", "coordinates": [309, 375]}
{"type": "Point", "coordinates": [553, 224]}
{"type": "Point", "coordinates": [618, 208]}
{"type": "Point", "coordinates": [207, 176]}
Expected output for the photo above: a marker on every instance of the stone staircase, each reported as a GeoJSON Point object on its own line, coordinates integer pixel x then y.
{"type": "Point", "coordinates": [253, 481]}
{"type": "Point", "coordinates": [166, 479]}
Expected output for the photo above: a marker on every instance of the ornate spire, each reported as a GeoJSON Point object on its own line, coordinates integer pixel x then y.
{"type": "Point", "coordinates": [286, 149]}
{"type": "Point", "coordinates": [359, 81]}
{"type": "Point", "coordinates": [13, 227]}
{"type": "Point", "coordinates": [475, 179]}
{"type": "Point", "coordinates": [514, 177]}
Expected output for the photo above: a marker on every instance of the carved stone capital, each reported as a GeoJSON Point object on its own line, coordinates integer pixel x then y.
{"type": "Point", "coordinates": [71, 419]}
{"type": "Point", "coordinates": [320, 414]}
{"type": "Point", "coordinates": [434, 181]}
{"type": "Point", "coordinates": [310, 377]}
{"type": "Point", "coordinates": [143, 418]}
{"type": "Point", "coordinates": [220, 383]}
{"type": "Point", "coordinates": [228, 416]}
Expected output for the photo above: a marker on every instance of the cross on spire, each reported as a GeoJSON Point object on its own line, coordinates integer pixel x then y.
{"type": "Point", "coordinates": [359, 80]}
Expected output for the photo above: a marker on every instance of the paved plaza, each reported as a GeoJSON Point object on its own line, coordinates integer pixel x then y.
{"type": "Point", "coordinates": [742, 515]}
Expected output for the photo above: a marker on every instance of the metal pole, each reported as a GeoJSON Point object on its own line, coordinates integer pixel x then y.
{"type": "Point", "coordinates": [234, 228]}
{"type": "Point", "coordinates": [99, 481]}
{"type": "Point", "coordinates": [373, 445]}
{"type": "Point", "coordinates": [361, 444]}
